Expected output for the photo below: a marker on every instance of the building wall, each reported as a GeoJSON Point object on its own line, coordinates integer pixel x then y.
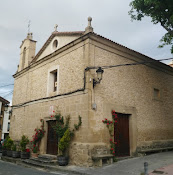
{"type": "Point", "coordinates": [130, 90]}
{"type": "Point", "coordinates": [72, 63]}
{"type": "Point", "coordinates": [1, 118]}
{"type": "Point", "coordinates": [30, 47]}
{"type": "Point", "coordinates": [123, 89]}
{"type": "Point", "coordinates": [2, 112]}
{"type": "Point", "coordinates": [6, 121]}
{"type": "Point", "coordinates": [0, 105]}
{"type": "Point", "coordinates": [35, 81]}
{"type": "Point", "coordinates": [62, 41]}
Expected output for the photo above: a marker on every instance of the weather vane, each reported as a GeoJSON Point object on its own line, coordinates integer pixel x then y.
{"type": "Point", "coordinates": [29, 24]}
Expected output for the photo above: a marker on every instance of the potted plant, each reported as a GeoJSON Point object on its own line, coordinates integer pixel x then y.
{"type": "Point", "coordinates": [62, 147]}
{"type": "Point", "coordinates": [25, 153]}
{"type": "Point", "coordinates": [9, 146]}
{"type": "Point", "coordinates": [35, 150]}
{"type": "Point", "coordinates": [64, 135]}
{"type": "Point", "coordinates": [4, 147]}
{"type": "Point", "coordinates": [15, 151]}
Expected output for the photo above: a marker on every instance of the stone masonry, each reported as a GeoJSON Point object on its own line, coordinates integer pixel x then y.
{"type": "Point", "coordinates": [143, 91]}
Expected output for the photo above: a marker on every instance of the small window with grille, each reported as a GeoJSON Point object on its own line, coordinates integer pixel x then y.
{"type": "Point", "coordinates": [53, 84]}
{"type": "Point", "coordinates": [54, 78]}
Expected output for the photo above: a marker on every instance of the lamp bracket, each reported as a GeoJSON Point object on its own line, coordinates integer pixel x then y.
{"type": "Point", "coordinates": [96, 82]}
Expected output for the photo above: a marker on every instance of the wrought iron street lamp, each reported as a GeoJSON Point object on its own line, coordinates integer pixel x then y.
{"type": "Point", "coordinates": [99, 72]}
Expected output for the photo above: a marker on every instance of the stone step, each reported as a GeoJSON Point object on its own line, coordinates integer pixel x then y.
{"type": "Point", "coordinates": [47, 157]}
{"type": "Point", "coordinates": [33, 163]}
{"type": "Point", "coordinates": [44, 161]}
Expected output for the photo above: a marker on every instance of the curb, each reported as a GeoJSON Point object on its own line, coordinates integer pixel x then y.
{"type": "Point", "coordinates": [19, 161]}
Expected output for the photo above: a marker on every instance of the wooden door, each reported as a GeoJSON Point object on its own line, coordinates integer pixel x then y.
{"type": "Point", "coordinates": [121, 135]}
{"type": "Point", "coordinates": [52, 141]}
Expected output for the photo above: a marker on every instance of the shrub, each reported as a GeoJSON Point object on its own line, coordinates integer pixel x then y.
{"type": "Point", "coordinates": [39, 134]}
{"type": "Point", "coordinates": [64, 141]}
{"type": "Point", "coordinates": [63, 131]}
{"type": "Point", "coordinates": [4, 144]}
{"type": "Point", "coordinates": [24, 141]}
{"type": "Point", "coordinates": [9, 143]}
{"type": "Point", "coordinates": [14, 147]}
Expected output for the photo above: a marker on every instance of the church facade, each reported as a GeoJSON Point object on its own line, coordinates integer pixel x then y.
{"type": "Point", "coordinates": [63, 74]}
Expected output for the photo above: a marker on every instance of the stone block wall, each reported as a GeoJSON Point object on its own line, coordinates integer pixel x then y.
{"type": "Point", "coordinates": [34, 81]}
{"type": "Point", "coordinates": [81, 153]}
{"type": "Point", "coordinates": [126, 89]}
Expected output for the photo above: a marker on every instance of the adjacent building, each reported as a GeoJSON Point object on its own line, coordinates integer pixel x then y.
{"type": "Point", "coordinates": [6, 122]}
{"type": "Point", "coordinates": [63, 74]}
{"type": "Point", "coordinates": [3, 106]}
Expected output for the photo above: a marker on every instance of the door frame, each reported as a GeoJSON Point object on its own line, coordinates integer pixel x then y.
{"type": "Point", "coordinates": [121, 129]}
{"type": "Point", "coordinates": [131, 111]}
{"type": "Point", "coordinates": [46, 120]}
{"type": "Point", "coordinates": [54, 135]}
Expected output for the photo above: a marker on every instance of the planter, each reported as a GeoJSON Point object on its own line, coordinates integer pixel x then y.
{"type": "Point", "coordinates": [62, 160]}
{"type": "Point", "coordinates": [34, 155]}
{"type": "Point", "coordinates": [15, 154]}
{"type": "Point", "coordinates": [9, 153]}
{"type": "Point", "coordinates": [24, 155]}
{"type": "Point", "coordinates": [4, 152]}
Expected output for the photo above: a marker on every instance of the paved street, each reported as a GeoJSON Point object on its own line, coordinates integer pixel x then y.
{"type": "Point", "coordinates": [7, 168]}
{"type": "Point", "coordinates": [133, 166]}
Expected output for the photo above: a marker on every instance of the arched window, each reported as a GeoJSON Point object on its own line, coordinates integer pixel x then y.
{"type": "Point", "coordinates": [55, 44]}
{"type": "Point", "coordinates": [23, 58]}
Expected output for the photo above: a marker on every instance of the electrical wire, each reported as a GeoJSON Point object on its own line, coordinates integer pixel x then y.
{"type": "Point", "coordinates": [129, 64]}
{"type": "Point", "coordinates": [2, 93]}
{"type": "Point", "coordinates": [8, 94]}
{"type": "Point", "coordinates": [87, 69]}
{"type": "Point", "coordinates": [6, 85]}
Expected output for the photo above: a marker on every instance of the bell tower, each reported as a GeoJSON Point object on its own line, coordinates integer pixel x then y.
{"type": "Point", "coordinates": [27, 52]}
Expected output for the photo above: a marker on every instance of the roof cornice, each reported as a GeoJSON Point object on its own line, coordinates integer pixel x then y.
{"type": "Point", "coordinates": [60, 50]}
{"type": "Point", "coordinates": [4, 100]}
{"type": "Point", "coordinates": [93, 36]}
{"type": "Point", "coordinates": [56, 33]}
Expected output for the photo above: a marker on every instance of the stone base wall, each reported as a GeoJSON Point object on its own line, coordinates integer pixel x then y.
{"type": "Point", "coordinates": [154, 146]}
{"type": "Point", "coordinates": [81, 153]}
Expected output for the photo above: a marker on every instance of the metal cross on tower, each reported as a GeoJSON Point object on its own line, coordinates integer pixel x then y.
{"type": "Point", "coordinates": [29, 24]}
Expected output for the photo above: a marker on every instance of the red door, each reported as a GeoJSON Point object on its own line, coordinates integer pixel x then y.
{"type": "Point", "coordinates": [52, 141]}
{"type": "Point", "coordinates": [121, 135]}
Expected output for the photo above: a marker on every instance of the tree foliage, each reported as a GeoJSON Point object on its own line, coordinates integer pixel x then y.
{"type": "Point", "coordinates": [160, 11]}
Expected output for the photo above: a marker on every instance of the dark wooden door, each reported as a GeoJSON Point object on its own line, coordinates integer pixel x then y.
{"type": "Point", "coordinates": [121, 135]}
{"type": "Point", "coordinates": [52, 141]}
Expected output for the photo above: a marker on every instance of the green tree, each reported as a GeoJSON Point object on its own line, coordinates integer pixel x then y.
{"type": "Point", "coordinates": [160, 11]}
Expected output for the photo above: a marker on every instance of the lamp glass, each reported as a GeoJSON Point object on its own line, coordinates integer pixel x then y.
{"type": "Point", "coordinates": [99, 75]}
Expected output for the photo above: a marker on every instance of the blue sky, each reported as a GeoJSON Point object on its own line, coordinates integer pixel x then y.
{"type": "Point", "coordinates": [110, 19]}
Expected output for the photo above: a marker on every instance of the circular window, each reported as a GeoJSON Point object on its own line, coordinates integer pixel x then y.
{"type": "Point", "coordinates": [55, 44]}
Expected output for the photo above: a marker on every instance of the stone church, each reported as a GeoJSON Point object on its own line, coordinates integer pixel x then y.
{"type": "Point", "coordinates": [65, 74]}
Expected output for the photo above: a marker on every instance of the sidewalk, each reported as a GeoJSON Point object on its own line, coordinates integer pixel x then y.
{"type": "Point", "coordinates": [132, 166]}
{"type": "Point", "coordinates": [165, 170]}
{"type": "Point", "coordinates": [135, 166]}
